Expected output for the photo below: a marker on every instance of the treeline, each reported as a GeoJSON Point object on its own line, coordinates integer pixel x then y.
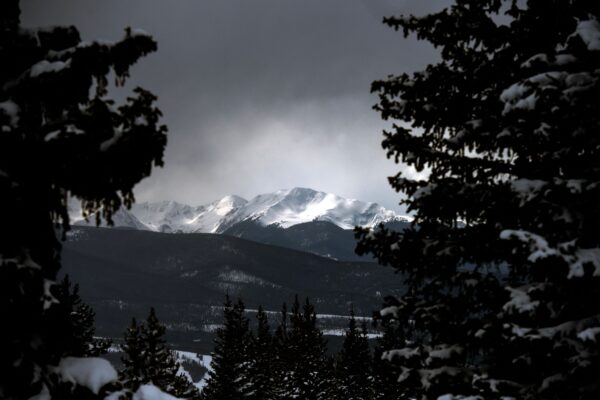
{"type": "Point", "coordinates": [251, 361]}
{"type": "Point", "coordinates": [255, 361]}
{"type": "Point", "coordinates": [291, 361]}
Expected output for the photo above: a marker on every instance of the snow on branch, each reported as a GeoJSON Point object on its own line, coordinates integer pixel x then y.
{"type": "Point", "coordinates": [92, 372]}
{"type": "Point", "coordinates": [527, 189]}
{"type": "Point", "coordinates": [11, 110]}
{"type": "Point", "coordinates": [538, 245]}
{"type": "Point", "coordinates": [582, 257]}
{"type": "Point", "coordinates": [391, 310]}
{"type": "Point", "coordinates": [406, 353]}
{"type": "Point", "coordinates": [151, 392]}
{"type": "Point", "coordinates": [585, 329]}
{"type": "Point", "coordinates": [44, 67]}
{"type": "Point", "coordinates": [108, 143]}
{"type": "Point", "coordinates": [589, 31]}
{"type": "Point", "coordinates": [429, 376]}
{"type": "Point", "coordinates": [520, 301]}
{"type": "Point", "coordinates": [139, 32]}
{"type": "Point", "coordinates": [576, 258]}
{"type": "Point", "coordinates": [589, 334]}
{"type": "Point", "coordinates": [443, 352]}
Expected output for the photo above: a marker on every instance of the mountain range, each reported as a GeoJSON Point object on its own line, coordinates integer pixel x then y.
{"type": "Point", "coordinates": [183, 260]}
{"type": "Point", "coordinates": [281, 209]}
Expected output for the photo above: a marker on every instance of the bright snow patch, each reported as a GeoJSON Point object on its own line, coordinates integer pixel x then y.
{"type": "Point", "coordinates": [49, 298]}
{"type": "Point", "coordinates": [589, 31]}
{"type": "Point", "coordinates": [11, 109]}
{"type": "Point", "coordinates": [121, 394]}
{"type": "Point", "coordinates": [391, 310]}
{"type": "Point", "coordinates": [589, 334]}
{"type": "Point", "coordinates": [92, 372]}
{"type": "Point", "coordinates": [202, 360]}
{"type": "Point", "coordinates": [539, 246]}
{"type": "Point", "coordinates": [45, 66]}
{"type": "Point", "coordinates": [51, 136]}
{"type": "Point", "coordinates": [582, 257]}
{"type": "Point", "coordinates": [151, 392]}
{"type": "Point", "coordinates": [406, 353]}
{"type": "Point", "coordinates": [540, 249]}
{"type": "Point", "coordinates": [139, 32]}
{"type": "Point", "coordinates": [188, 356]}
{"type": "Point", "coordinates": [520, 301]}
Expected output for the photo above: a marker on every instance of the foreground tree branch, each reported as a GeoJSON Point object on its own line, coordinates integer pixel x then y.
{"type": "Point", "coordinates": [503, 258]}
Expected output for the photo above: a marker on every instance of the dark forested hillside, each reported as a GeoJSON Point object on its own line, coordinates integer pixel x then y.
{"type": "Point", "coordinates": [318, 237]}
{"type": "Point", "coordinates": [186, 276]}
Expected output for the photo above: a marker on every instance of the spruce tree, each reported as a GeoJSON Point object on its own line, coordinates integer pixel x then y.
{"type": "Point", "coordinates": [261, 360]}
{"type": "Point", "coordinates": [231, 357]}
{"type": "Point", "coordinates": [309, 373]}
{"type": "Point", "coordinates": [148, 360]}
{"type": "Point", "coordinates": [385, 369]}
{"type": "Point", "coordinates": [60, 135]}
{"type": "Point", "coordinates": [132, 372]}
{"type": "Point", "coordinates": [353, 364]}
{"type": "Point", "coordinates": [502, 261]}
{"type": "Point", "coordinates": [78, 333]}
{"type": "Point", "coordinates": [282, 356]}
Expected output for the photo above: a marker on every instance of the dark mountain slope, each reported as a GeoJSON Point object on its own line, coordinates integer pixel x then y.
{"type": "Point", "coordinates": [186, 276]}
{"type": "Point", "coordinates": [317, 237]}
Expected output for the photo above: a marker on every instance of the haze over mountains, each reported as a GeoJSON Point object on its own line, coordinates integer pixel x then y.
{"type": "Point", "coordinates": [282, 209]}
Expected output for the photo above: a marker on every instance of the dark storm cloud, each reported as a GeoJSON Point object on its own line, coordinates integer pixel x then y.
{"type": "Point", "coordinates": [262, 94]}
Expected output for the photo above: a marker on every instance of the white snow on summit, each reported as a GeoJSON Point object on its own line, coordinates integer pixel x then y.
{"type": "Point", "coordinates": [121, 219]}
{"type": "Point", "coordinates": [284, 208]}
{"type": "Point", "coordinates": [170, 216]}
{"type": "Point", "coordinates": [162, 216]}
{"type": "Point", "coordinates": [291, 207]}
{"type": "Point", "coordinates": [211, 217]}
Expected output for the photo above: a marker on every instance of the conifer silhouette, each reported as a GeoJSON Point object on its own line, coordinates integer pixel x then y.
{"type": "Point", "coordinates": [502, 259]}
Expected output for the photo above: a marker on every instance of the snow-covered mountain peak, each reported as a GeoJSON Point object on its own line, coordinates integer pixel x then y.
{"type": "Point", "coordinates": [284, 208]}
{"type": "Point", "coordinates": [121, 219]}
{"type": "Point", "coordinates": [298, 205]}
{"type": "Point", "coordinates": [227, 204]}
{"type": "Point", "coordinates": [163, 216]}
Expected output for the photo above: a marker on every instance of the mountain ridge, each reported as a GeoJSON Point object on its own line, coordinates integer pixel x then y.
{"type": "Point", "coordinates": [282, 208]}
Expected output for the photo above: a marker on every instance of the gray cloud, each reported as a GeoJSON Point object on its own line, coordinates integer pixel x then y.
{"type": "Point", "coordinates": [260, 95]}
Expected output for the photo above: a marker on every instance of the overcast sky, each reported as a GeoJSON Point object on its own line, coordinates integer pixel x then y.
{"type": "Point", "coordinates": [260, 95]}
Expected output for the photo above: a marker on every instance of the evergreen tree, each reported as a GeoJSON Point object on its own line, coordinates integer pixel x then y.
{"type": "Point", "coordinates": [282, 356]}
{"type": "Point", "coordinates": [132, 373]}
{"type": "Point", "coordinates": [77, 335]}
{"type": "Point", "coordinates": [502, 260]}
{"type": "Point", "coordinates": [309, 373]}
{"type": "Point", "coordinates": [353, 366]}
{"type": "Point", "coordinates": [61, 136]}
{"type": "Point", "coordinates": [147, 359]}
{"type": "Point", "coordinates": [261, 360]}
{"type": "Point", "coordinates": [385, 371]}
{"type": "Point", "coordinates": [229, 377]}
